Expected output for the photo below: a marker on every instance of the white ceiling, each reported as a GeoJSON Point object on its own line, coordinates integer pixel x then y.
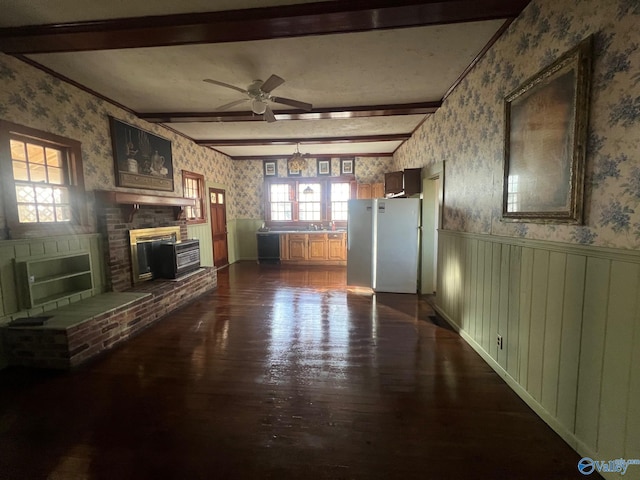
{"type": "Point", "coordinates": [331, 71]}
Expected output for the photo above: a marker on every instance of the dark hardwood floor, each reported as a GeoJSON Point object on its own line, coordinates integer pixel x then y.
{"type": "Point", "coordinates": [280, 373]}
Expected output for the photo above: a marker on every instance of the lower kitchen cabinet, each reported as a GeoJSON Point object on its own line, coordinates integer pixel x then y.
{"type": "Point", "coordinates": [318, 246]}
{"type": "Point", "coordinates": [336, 246]}
{"type": "Point", "coordinates": [298, 246]}
{"type": "Point", "coordinates": [314, 248]}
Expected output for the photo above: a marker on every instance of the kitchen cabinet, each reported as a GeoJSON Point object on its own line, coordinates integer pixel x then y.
{"type": "Point", "coordinates": [412, 181]}
{"type": "Point", "coordinates": [403, 183]}
{"type": "Point", "coordinates": [316, 248]}
{"type": "Point", "coordinates": [393, 183]}
{"type": "Point", "coordinates": [367, 191]}
{"type": "Point", "coordinates": [364, 191]}
{"type": "Point", "coordinates": [336, 246]}
{"type": "Point", "coordinates": [298, 246]}
{"type": "Point", "coordinates": [377, 190]}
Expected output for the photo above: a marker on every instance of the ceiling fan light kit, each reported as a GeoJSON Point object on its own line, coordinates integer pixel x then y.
{"type": "Point", "coordinates": [258, 106]}
{"type": "Point", "coordinates": [259, 93]}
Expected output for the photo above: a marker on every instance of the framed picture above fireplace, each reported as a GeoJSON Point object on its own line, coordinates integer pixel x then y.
{"type": "Point", "coordinates": [141, 159]}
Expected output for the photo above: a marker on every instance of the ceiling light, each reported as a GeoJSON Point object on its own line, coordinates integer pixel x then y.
{"type": "Point", "coordinates": [308, 190]}
{"type": "Point", "coordinates": [258, 106]}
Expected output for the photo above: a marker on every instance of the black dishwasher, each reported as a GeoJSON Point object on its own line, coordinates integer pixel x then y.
{"type": "Point", "coordinates": [268, 247]}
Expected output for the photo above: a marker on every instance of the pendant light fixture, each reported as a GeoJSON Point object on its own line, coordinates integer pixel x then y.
{"type": "Point", "coordinates": [297, 162]}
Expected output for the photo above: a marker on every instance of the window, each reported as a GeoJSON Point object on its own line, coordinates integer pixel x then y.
{"type": "Point", "coordinates": [307, 200]}
{"type": "Point", "coordinates": [193, 187]}
{"type": "Point", "coordinates": [42, 194]}
{"type": "Point", "coordinates": [340, 195]}
{"type": "Point", "coordinates": [280, 202]}
{"type": "Point", "coordinates": [43, 181]}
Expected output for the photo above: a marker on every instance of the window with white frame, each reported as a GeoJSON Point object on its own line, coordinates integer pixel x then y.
{"type": "Point", "coordinates": [280, 202]}
{"type": "Point", "coordinates": [340, 195]}
{"type": "Point", "coordinates": [309, 202]}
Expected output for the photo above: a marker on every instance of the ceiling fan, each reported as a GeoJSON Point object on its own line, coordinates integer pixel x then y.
{"type": "Point", "coordinates": [259, 93]}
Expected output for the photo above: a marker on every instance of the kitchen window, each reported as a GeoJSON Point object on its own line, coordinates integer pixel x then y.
{"type": "Point", "coordinates": [280, 202]}
{"type": "Point", "coordinates": [43, 182]}
{"type": "Point", "coordinates": [193, 187]}
{"type": "Point", "coordinates": [340, 195]}
{"type": "Point", "coordinates": [307, 200]}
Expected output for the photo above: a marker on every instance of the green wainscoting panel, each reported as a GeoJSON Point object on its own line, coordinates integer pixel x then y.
{"type": "Point", "coordinates": [524, 322]}
{"type": "Point", "coordinates": [539, 294]}
{"type": "Point", "coordinates": [569, 348]}
{"type": "Point", "coordinates": [232, 239]}
{"type": "Point", "coordinates": [632, 441]}
{"type": "Point", "coordinates": [553, 330]}
{"type": "Point", "coordinates": [594, 317]}
{"type": "Point", "coordinates": [246, 229]}
{"type": "Point", "coordinates": [569, 317]}
{"type": "Point", "coordinates": [202, 231]}
{"type": "Point", "coordinates": [623, 308]}
{"type": "Point", "coordinates": [496, 260]}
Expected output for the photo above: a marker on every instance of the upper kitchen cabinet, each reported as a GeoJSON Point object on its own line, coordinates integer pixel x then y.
{"type": "Point", "coordinates": [393, 183]}
{"type": "Point", "coordinates": [370, 190]}
{"type": "Point", "coordinates": [412, 181]}
{"type": "Point", "coordinates": [403, 183]}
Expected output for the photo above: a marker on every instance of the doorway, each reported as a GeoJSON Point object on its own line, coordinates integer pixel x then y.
{"type": "Point", "coordinates": [218, 210]}
{"type": "Point", "coordinates": [432, 201]}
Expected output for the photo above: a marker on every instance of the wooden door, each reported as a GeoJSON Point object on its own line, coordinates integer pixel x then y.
{"type": "Point", "coordinates": [218, 207]}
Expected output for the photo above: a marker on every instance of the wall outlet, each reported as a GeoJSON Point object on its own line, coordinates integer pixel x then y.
{"type": "Point", "coordinates": [499, 342]}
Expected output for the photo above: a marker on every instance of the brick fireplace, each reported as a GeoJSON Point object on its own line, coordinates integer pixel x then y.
{"type": "Point", "coordinates": [82, 330]}
{"type": "Point", "coordinates": [118, 213]}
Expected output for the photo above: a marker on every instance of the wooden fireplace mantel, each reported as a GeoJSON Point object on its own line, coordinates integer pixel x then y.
{"type": "Point", "coordinates": [133, 201]}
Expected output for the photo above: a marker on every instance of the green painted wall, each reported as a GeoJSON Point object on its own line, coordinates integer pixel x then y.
{"type": "Point", "coordinates": [202, 231]}
{"type": "Point", "coordinates": [246, 238]}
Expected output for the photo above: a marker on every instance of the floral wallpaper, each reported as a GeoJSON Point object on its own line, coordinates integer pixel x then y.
{"type": "Point", "coordinates": [467, 132]}
{"type": "Point", "coordinates": [35, 99]}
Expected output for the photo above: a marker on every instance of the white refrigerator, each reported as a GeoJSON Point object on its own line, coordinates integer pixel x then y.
{"type": "Point", "coordinates": [383, 244]}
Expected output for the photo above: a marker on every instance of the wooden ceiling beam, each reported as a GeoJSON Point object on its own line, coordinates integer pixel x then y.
{"type": "Point", "coordinates": [321, 18]}
{"type": "Point", "coordinates": [315, 155]}
{"type": "Point", "coordinates": [422, 108]}
{"type": "Point", "coordinates": [396, 137]}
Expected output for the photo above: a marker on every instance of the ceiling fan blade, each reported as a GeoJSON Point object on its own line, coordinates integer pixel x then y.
{"type": "Point", "coordinates": [269, 116]}
{"type": "Point", "coordinates": [226, 106]}
{"type": "Point", "coordinates": [222, 84]}
{"type": "Point", "coordinates": [292, 103]}
{"type": "Point", "coordinates": [272, 82]}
